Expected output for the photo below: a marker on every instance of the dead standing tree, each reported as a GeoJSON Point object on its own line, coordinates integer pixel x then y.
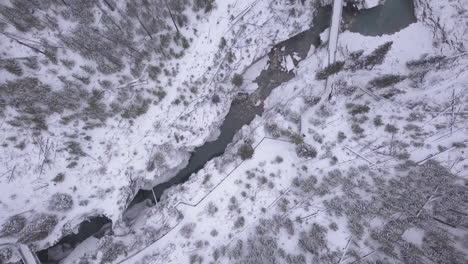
{"type": "Point", "coordinates": [172, 16]}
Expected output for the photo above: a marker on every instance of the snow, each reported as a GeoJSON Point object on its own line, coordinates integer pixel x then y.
{"type": "Point", "coordinates": [414, 235]}
{"type": "Point", "coordinates": [192, 200]}
{"type": "Point", "coordinates": [325, 35]}
{"type": "Point", "coordinates": [282, 105]}
{"type": "Point", "coordinates": [371, 3]}
{"type": "Point", "coordinates": [252, 72]}
{"type": "Point", "coordinates": [124, 146]}
{"type": "Point", "coordinates": [288, 63]}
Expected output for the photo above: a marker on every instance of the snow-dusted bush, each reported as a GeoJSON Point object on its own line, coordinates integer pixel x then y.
{"type": "Point", "coordinates": [68, 63]}
{"type": "Point", "coordinates": [334, 206]}
{"type": "Point", "coordinates": [357, 129]}
{"type": "Point", "coordinates": [329, 70]}
{"type": "Point", "coordinates": [138, 107]}
{"type": "Point", "coordinates": [196, 259]}
{"type": "Point", "coordinates": [211, 209]}
{"type": "Point", "coordinates": [341, 136]}
{"type": "Point", "coordinates": [215, 99]}
{"type": "Point", "coordinates": [237, 80]}
{"type": "Point", "coordinates": [236, 251]}
{"type": "Point", "coordinates": [13, 225]}
{"type": "Point", "coordinates": [59, 177]}
{"type": "Point", "coordinates": [355, 227]}
{"type": "Point", "coordinates": [356, 54]}
{"type": "Point", "coordinates": [313, 241]}
{"type": "Point", "coordinates": [12, 66]}
{"type": "Point", "coordinates": [378, 120]}
{"type": "Point", "coordinates": [111, 250]}
{"type": "Point", "coordinates": [233, 204]}
{"type": "Point", "coordinates": [151, 234]}
{"type": "Point", "coordinates": [279, 159]}
{"type": "Point", "coordinates": [60, 202]}
{"type": "Point", "coordinates": [153, 72]}
{"type": "Point", "coordinates": [206, 5]}
{"type": "Point", "coordinates": [391, 129]}
{"type": "Point", "coordinates": [214, 232]}
{"type": "Point", "coordinates": [240, 222]}
{"type": "Point", "coordinates": [306, 185]}
{"type": "Point", "coordinates": [306, 151]}
{"type": "Point", "coordinates": [15, 13]}
{"type": "Point", "coordinates": [187, 230]}
{"type": "Point", "coordinates": [355, 109]}
{"type": "Point", "coordinates": [273, 130]}
{"type": "Point", "coordinates": [324, 111]}
{"type": "Point", "coordinates": [39, 228]}
{"type": "Point", "coordinates": [386, 80]}
{"type": "Point", "coordinates": [5, 254]}
{"type": "Point", "coordinates": [32, 63]}
{"type": "Point", "coordinates": [378, 55]}
{"type": "Point", "coordinates": [311, 100]}
{"type": "Point", "coordinates": [425, 62]}
{"type": "Point", "coordinates": [246, 151]}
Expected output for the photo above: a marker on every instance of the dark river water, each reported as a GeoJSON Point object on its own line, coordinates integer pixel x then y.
{"type": "Point", "coordinates": [388, 18]}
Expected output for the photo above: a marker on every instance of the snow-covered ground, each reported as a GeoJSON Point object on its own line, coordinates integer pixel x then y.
{"type": "Point", "coordinates": [225, 204]}
{"type": "Point", "coordinates": [382, 120]}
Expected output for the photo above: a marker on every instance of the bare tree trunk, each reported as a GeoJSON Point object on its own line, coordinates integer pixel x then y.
{"type": "Point", "coordinates": [26, 45]}
{"type": "Point", "coordinates": [111, 19]}
{"type": "Point", "coordinates": [172, 17]}
{"type": "Point", "coordinates": [452, 122]}
{"type": "Point", "coordinates": [109, 5]}
{"type": "Point", "coordinates": [144, 27]}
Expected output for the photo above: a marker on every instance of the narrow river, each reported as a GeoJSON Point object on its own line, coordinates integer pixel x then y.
{"type": "Point", "coordinates": [245, 107]}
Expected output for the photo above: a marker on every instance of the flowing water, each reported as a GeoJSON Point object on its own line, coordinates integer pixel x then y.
{"type": "Point", "coordinates": [388, 18]}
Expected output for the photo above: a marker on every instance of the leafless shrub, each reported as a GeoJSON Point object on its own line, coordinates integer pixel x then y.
{"type": "Point", "coordinates": [246, 151]}
{"type": "Point", "coordinates": [240, 222]}
{"type": "Point", "coordinates": [111, 250]}
{"type": "Point", "coordinates": [214, 232]}
{"type": "Point", "coordinates": [306, 151]}
{"type": "Point", "coordinates": [196, 259]}
{"type": "Point", "coordinates": [39, 228]}
{"type": "Point", "coordinates": [60, 202]}
{"type": "Point", "coordinates": [386, 80]}
{"type": "Point", "coordinates": [273, 130]}
{"type": "Point", "coordinates": [313, 241]}
{"type": "Point", "coordinates": [211, 209]}
{"type": "Point", "coordinates": [5, 254]}
{"type": "Point", "coordinates": [13, 225]}
{"type": "Point", "coordinates": [187, 230]}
